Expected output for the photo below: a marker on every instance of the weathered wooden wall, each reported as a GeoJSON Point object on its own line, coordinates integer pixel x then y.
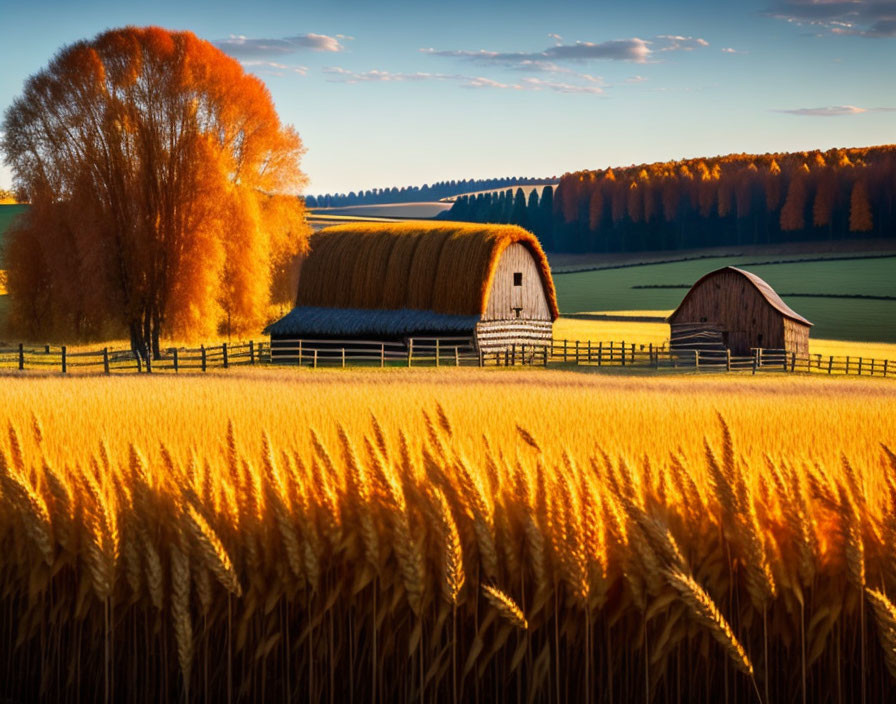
{"type": "Point", "coordinates": [498, 335]}
{"type": "Point", "coordinates": [732, 302]}
{"type": "Point", "coordinates": [504, 296]}
{"type": "Point", "coordinates": [796, 338]}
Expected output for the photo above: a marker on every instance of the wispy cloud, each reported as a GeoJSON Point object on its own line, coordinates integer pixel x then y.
{"type": "Point", "coordinates": [674, 42]}
{"type": "Point", "coordinates": [866, 18]}
{"type": "Point", "coordinates": [833, 111]}
{"type": "Point", "coordinates": [342, 75]}
{"type": "Point", "coordinates": [593, 85]}
{"type": "Point", "coordinates": [551, 59]}
{"type": "Point", "coordinates": [730, 50]}
{"type": "Point", "coordinates": [635, 79]}
{"type": "Point", "coordinates": [274, 68]}
{"type": "Point", "coordinates": [243, 47]}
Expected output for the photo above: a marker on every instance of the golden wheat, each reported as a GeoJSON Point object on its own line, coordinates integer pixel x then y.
{"type": "Point", "coordinates": [363, 547]}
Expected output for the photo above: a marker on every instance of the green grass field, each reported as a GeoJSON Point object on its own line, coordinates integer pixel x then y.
{"type": "Point", "coordinates": [833, 318]}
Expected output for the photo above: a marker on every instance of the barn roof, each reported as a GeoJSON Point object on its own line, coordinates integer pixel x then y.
{"type": "Point", "coordinates": [445, 268]}
{"type": "Point", "coordinates": [768, 293]}
{"type": "Point", "coordinates": [354, 322]}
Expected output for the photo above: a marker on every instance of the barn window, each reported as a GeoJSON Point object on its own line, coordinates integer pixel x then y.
{"type": "Point", "coordinates": [518, 278]}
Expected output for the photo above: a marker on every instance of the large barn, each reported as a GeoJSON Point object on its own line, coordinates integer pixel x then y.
{"type": "Point", "coordinates": [396, 281]}
{"type": "Point", "coordinates": [734, 309]}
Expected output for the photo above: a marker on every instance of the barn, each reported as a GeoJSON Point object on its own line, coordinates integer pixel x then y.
{"type": "Point", "coordinates": [392, 282]}
{"type": "Point", "coordinates": [734, 309]}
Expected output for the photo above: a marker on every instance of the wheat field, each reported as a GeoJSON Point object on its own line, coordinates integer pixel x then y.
{"type": "Point", "coordinates": [447, 535]}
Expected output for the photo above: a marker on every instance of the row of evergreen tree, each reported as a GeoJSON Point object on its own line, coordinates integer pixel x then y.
{"type": "Point", "coordinates": [534, 212]}
{"type": "Point", "coordinates": [731, 200]}
{"type": "Point", "coordinates": [418, 194]}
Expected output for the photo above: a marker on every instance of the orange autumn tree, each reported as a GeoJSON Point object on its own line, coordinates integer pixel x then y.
{"type": "Point", "coordinates": [163, 192]}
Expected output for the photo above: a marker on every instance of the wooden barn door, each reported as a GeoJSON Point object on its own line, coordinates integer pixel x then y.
{"type": "Point", "coordinates": [738, 342]}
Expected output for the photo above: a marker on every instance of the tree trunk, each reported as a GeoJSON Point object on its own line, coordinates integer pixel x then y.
{"type": "Point", "coordinates": [156, 329]}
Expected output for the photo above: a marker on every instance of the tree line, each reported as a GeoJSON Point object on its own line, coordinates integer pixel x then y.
{"type": "Point", "coordinates": [533, 212]}
{"type": "Point", "coordinates": [737, 199]}
{"type": "Point", "coordinates": [418, 194]}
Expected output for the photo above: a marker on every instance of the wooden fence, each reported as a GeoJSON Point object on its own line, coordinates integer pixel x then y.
{"type": "Point", "coordinates": [431, 351]}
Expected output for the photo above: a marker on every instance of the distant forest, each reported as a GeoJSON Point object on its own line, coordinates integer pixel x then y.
{"type": "Point", "coordinates": [730, 200]}
{"type": "Point", "coordinates": [418, 194]}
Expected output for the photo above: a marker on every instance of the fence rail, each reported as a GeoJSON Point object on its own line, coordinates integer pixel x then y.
{"type": "Point", "coordinates": [433, 351]}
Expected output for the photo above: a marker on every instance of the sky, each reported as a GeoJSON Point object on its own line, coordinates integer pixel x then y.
{"type": "Point", "coordinates": [398, 93]}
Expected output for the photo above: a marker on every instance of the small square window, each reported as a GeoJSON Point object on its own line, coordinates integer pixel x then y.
{"type": "Point", "coordinates": [518, 278]}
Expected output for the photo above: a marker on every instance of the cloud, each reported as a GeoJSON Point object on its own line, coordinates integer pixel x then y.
{"type": "Point", "coordinates": [619, 50]}
{"type": "Point", "coordinates": [729, 50]}
{"type": "Point", "coordinates": [274, 68]}
{"type": "Point", "coordinates": [635, 79]}
{"type": "Point", "coordinates": [342, 75]}
{"type": "Point", "coordinates": [833, 111]}
{"type": "Point", "coordinates": [673, 42]}
{"type": "Point", "coordinates": [533, 83]}
{"type": "Point", "coordinates": [242, 47]}
{"type": "Point", "coordinates": [593, 85]}
{"type": "Point", "coordinates": [864, 18]}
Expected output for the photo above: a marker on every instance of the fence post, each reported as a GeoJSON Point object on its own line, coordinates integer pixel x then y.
{"type": "Point", "coordinates": [830, 363]}
{"type": "Point", "coordinates": [760, 358]}
{"type": "Point", "coordinates": [623, 353]}
{"type": "Point", "coordinates": [46, 349]}
{"type": "Point", "coordinates": [872, 366]}
{"type": "Point", "coordinates": [481, 358]}
{"type": "Point", "coordinates": [343, 357]}
{"type": "Point", "coordinates": [847, 364]}
{"type": "Point", "coordinates": [589, 351]}
{"type": "Point", "coordinates": [633, 353]}
{"type": "Point", "coordinates": [176, 366]}
{"type": "Point", "coordinates": [727, 360]}
{"type": "Point", "coordinates": [64, 367]}
{"type": "Point", "coordinates": [202, 352]}
{"type": "Point", "coordinates": [860, 366]}
{"type": "Point", "coordinates": [545, 351]}
{"type": "Point", "coordinates": [314, 361]}
{"type": "Point", "coordinates": [456, 357]}
{"type": "Point", "coordinates": [506, 357]}
{"type": "Point", "coordinates": [564, 350]}
{"type": "Point", "coordinates": [784, 360]}
{"type": "Point", "coordinates": [792, 361]}
{"type": "Point", "coordinates": [300, 353]}
{"type": "Point", "coordinates": [21, 357]}
{"type": "Point", "coordinates": [697, 360]}
{"type": "Point", "coordinates": [382, 355]}
{"type": "Point", "coordinates": [410, 351]}
{"type": "Point", "coordinates": [149, 363]}
{"type": "Point", "coordinates": [755, 359]}
{"type": "Point", "coordinates": [251, 352]}
{"type": "Point", "coordinates": [106, 360]}
{"type": "Point", "coordinates": [600, 353]}
{"type": "Point", "coordinates": [224, 353]}
{"type": "Point", "coordinates": [437, 351]}
{"type": "Point", "coordinates": [885, 366]}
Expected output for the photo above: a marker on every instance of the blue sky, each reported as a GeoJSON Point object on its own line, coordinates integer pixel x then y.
{"type": "Point", "coordinates": [391, 93]}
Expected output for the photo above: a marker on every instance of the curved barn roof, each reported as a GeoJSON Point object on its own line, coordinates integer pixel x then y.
{"type": "Point", "coordinates": [767, 292]}
{"type": "Point", "coordinates": [446, 268]}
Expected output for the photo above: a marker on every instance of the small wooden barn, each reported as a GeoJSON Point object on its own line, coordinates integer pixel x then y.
{"type": "Point", "coordinates": [396, 281]}
{"type": "Point", "coordinates": [733, 309]}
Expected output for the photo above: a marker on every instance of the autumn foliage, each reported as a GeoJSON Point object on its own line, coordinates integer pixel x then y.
{"type": "Point", "coordinates": [734, 199]}
{"type": "Point", "coordinates": [162, 188]}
